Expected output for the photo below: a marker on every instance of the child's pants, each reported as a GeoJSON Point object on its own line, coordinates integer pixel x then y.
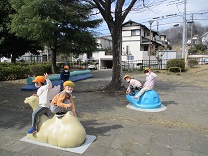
{"type": "Point", "coordinates": [38, 112]}
{"type": "Point", "coordinates": [61, 87]}
{"type": "Point", "coordinates": [144, 89]}
{"type": "Point", "coordinates": [58, 109]}
{"type": "Point", "coordinates": [133, 90]}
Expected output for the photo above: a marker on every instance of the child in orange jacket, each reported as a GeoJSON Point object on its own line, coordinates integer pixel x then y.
{"type": "Point", "coordinates": [62, 102]}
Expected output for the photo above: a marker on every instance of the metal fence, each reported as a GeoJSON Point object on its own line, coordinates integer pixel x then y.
{"type": "Point", "coordinates": [201, 60]}
{"type": "Point", "coordinates": [141, 64]}
{"type": "Point", "coordinates": [155, 64]}
{"type": "Point", "coordinates": [126, 65]}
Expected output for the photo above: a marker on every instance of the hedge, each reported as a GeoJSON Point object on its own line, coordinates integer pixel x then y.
{"type": "Point", "coordinates": [10, 71]}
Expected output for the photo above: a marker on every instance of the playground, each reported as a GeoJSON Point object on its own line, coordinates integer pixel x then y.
{"type": "Point", "coordinates": [182, 129]}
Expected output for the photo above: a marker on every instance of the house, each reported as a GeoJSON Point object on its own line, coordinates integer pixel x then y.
{"type": "Point", "coordinates": [204, 39]}
{"type": "Point", "coordinates": [4, 59]}
{"type": "Point", "coordinates": [104, 42]}
{"type": "Point", "coordinates": [136, 41]}
{"type": "Point", "coordinates": [135, 45]}
{"type": "Point", "coordinates": [194, 40]}
{"type": "Point", "coordinates": [104, 59]}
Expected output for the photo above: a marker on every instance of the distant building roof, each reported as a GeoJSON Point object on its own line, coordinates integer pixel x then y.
{"type": "Point", "coordinates": [107, 37]}
{"type": "Point", "coordinates": [132, 23]}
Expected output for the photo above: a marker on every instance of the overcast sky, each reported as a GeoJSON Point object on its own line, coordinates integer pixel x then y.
{"type": "Point", "coordinates": [166, 13]}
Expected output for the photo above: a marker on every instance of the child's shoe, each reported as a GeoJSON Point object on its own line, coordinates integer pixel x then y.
{"type": "Point", "coordinates": [136, 98]}
{"type": "Point", "coordinates": [31, 130]}
{"type": "Point", "coordinates": [60, 114]}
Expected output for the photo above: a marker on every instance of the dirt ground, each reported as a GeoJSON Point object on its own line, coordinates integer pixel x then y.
{"type": "Point", "coordinates": [11, 95]}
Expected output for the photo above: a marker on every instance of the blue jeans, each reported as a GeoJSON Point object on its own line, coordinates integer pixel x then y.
{"type": "Point", "coordinates": [61, 87]}
{"type": "Point", "coordinates": [58, 109]}
{"type": "Point", "coordinates": [38, 112]}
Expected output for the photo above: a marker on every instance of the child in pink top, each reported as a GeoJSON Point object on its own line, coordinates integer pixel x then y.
{"type": "Point", "coordinates": [133, 85]}
{"type": "Point", "coordinates": [149, 84]}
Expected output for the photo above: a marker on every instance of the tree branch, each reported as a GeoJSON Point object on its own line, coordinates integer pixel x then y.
{"type": "Point", "coordinates": [128, 9]}
{"type": "Point", "coordinates": [118, 11]}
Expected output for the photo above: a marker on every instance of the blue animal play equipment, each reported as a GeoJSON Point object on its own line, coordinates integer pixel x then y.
{"type": "Point", "coordinates": [148, 100]}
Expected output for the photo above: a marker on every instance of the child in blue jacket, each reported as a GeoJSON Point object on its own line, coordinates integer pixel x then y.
{"type": "Point", "coordinates": [64, 76]}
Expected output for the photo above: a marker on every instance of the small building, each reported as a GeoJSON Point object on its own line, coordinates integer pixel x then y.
{"type": "Point", "coordinates": [165, 55]}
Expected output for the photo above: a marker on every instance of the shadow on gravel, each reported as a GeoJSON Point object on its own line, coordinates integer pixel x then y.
{"type": "Point", "coordinates": [14, 118]}
{"type": "Point", "coordinates": [92, 127]}
{"type": "Point", "coordinates": [166, 103]}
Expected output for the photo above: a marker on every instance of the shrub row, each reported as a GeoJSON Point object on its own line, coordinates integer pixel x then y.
{"type": "Point", "coordinates": [9, 71]}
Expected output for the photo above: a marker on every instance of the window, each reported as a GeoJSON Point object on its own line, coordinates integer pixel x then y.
{"type": "Point", "coordinates": [135, 32]}
{"type": "Point", "coordinates": [148, 34]}
{"type": "Point", "coordinates": [146, 48]}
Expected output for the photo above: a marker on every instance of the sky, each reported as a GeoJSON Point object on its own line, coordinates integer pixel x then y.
{"type": "Point", "coordinates": [165, 13]}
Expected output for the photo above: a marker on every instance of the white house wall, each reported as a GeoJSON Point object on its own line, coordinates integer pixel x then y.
{"type": "Point", "coordinates": [133, 49]}
{"type": "Point", "coordinates": [167, 55]}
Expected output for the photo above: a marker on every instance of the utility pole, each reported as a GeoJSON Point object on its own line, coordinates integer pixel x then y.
{"type": "Point", "coordinates": [192, 18]}
{"type": "Point", "coordinates": [150, 40]}
{"type": "Point", "coordinates": [127, 52]}
{"type": "Point", "coordinates": [184, 31]}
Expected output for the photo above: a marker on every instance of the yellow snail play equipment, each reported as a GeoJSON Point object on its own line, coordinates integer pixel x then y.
{"type": "Point", "coordinates": [65, 132]}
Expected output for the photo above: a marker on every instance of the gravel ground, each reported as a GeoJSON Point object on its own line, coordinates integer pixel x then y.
{"type": "Point", "coordinates": [11, 95]}
{"type": "Point", "coordinates": [91, 101]}
{"type": "Point", "coordinates": [182, 129]}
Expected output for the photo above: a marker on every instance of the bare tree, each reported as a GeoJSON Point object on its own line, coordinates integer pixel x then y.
{"type": "Point", "coordinates": [114, 13]}
{"type": "Point", "coordinates": [174, 34]}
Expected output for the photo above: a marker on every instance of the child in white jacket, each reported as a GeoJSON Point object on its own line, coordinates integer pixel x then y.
{"type": "Point", "coordinates": [44, 102]}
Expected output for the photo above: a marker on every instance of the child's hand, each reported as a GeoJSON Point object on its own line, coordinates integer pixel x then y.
{"type": "Point", "coordinates": [46, 75]}
{"type": "Point", "coordinates": [74, 113]}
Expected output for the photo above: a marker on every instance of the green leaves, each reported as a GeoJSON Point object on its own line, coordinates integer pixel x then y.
{"type": "Point", "coordinates": [52, 22]}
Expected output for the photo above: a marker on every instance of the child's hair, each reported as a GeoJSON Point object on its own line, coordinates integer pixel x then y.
{"type": "Point", "coordinates": [146, 70]}
{"type": "Point", "coordinates": [41, 83]}
{"type": "Point", "coordinates": [126, 76]}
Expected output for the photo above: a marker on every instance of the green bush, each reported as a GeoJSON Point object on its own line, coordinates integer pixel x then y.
{"type": "Point", "coordinates": [47, 68]}
{"type": "Point", "coordinates": [36, 70]}
{"type": "Point", "coordinates": [176, 63]}
{"type": "Point", "coordinates": [10, 71]}
{"type": "Point", "coordinates": [4, 73]}
{"type": "Point", "coordinates": [13, 72]}
{"type": "Point", "coordinates": [18, 72]}
{"type": "Point", "coordinates": [192, 63]}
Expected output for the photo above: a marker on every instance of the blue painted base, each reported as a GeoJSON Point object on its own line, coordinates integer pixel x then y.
{"type": "Point", "coordinates": [149, 100]}
{"type": "Point", "coordinates": [58, 82]}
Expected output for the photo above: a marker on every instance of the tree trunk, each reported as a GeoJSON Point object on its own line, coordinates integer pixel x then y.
{"type": "Point", "coordinates": [116, 82]}
{"type": "Point", "coordinates": [13, 58]}
{"type": "Point", "coordinates": [53, 59]}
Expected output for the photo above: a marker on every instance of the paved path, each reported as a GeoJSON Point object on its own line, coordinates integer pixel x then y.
{"type": "Point", "coordinates": [181, 130]}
